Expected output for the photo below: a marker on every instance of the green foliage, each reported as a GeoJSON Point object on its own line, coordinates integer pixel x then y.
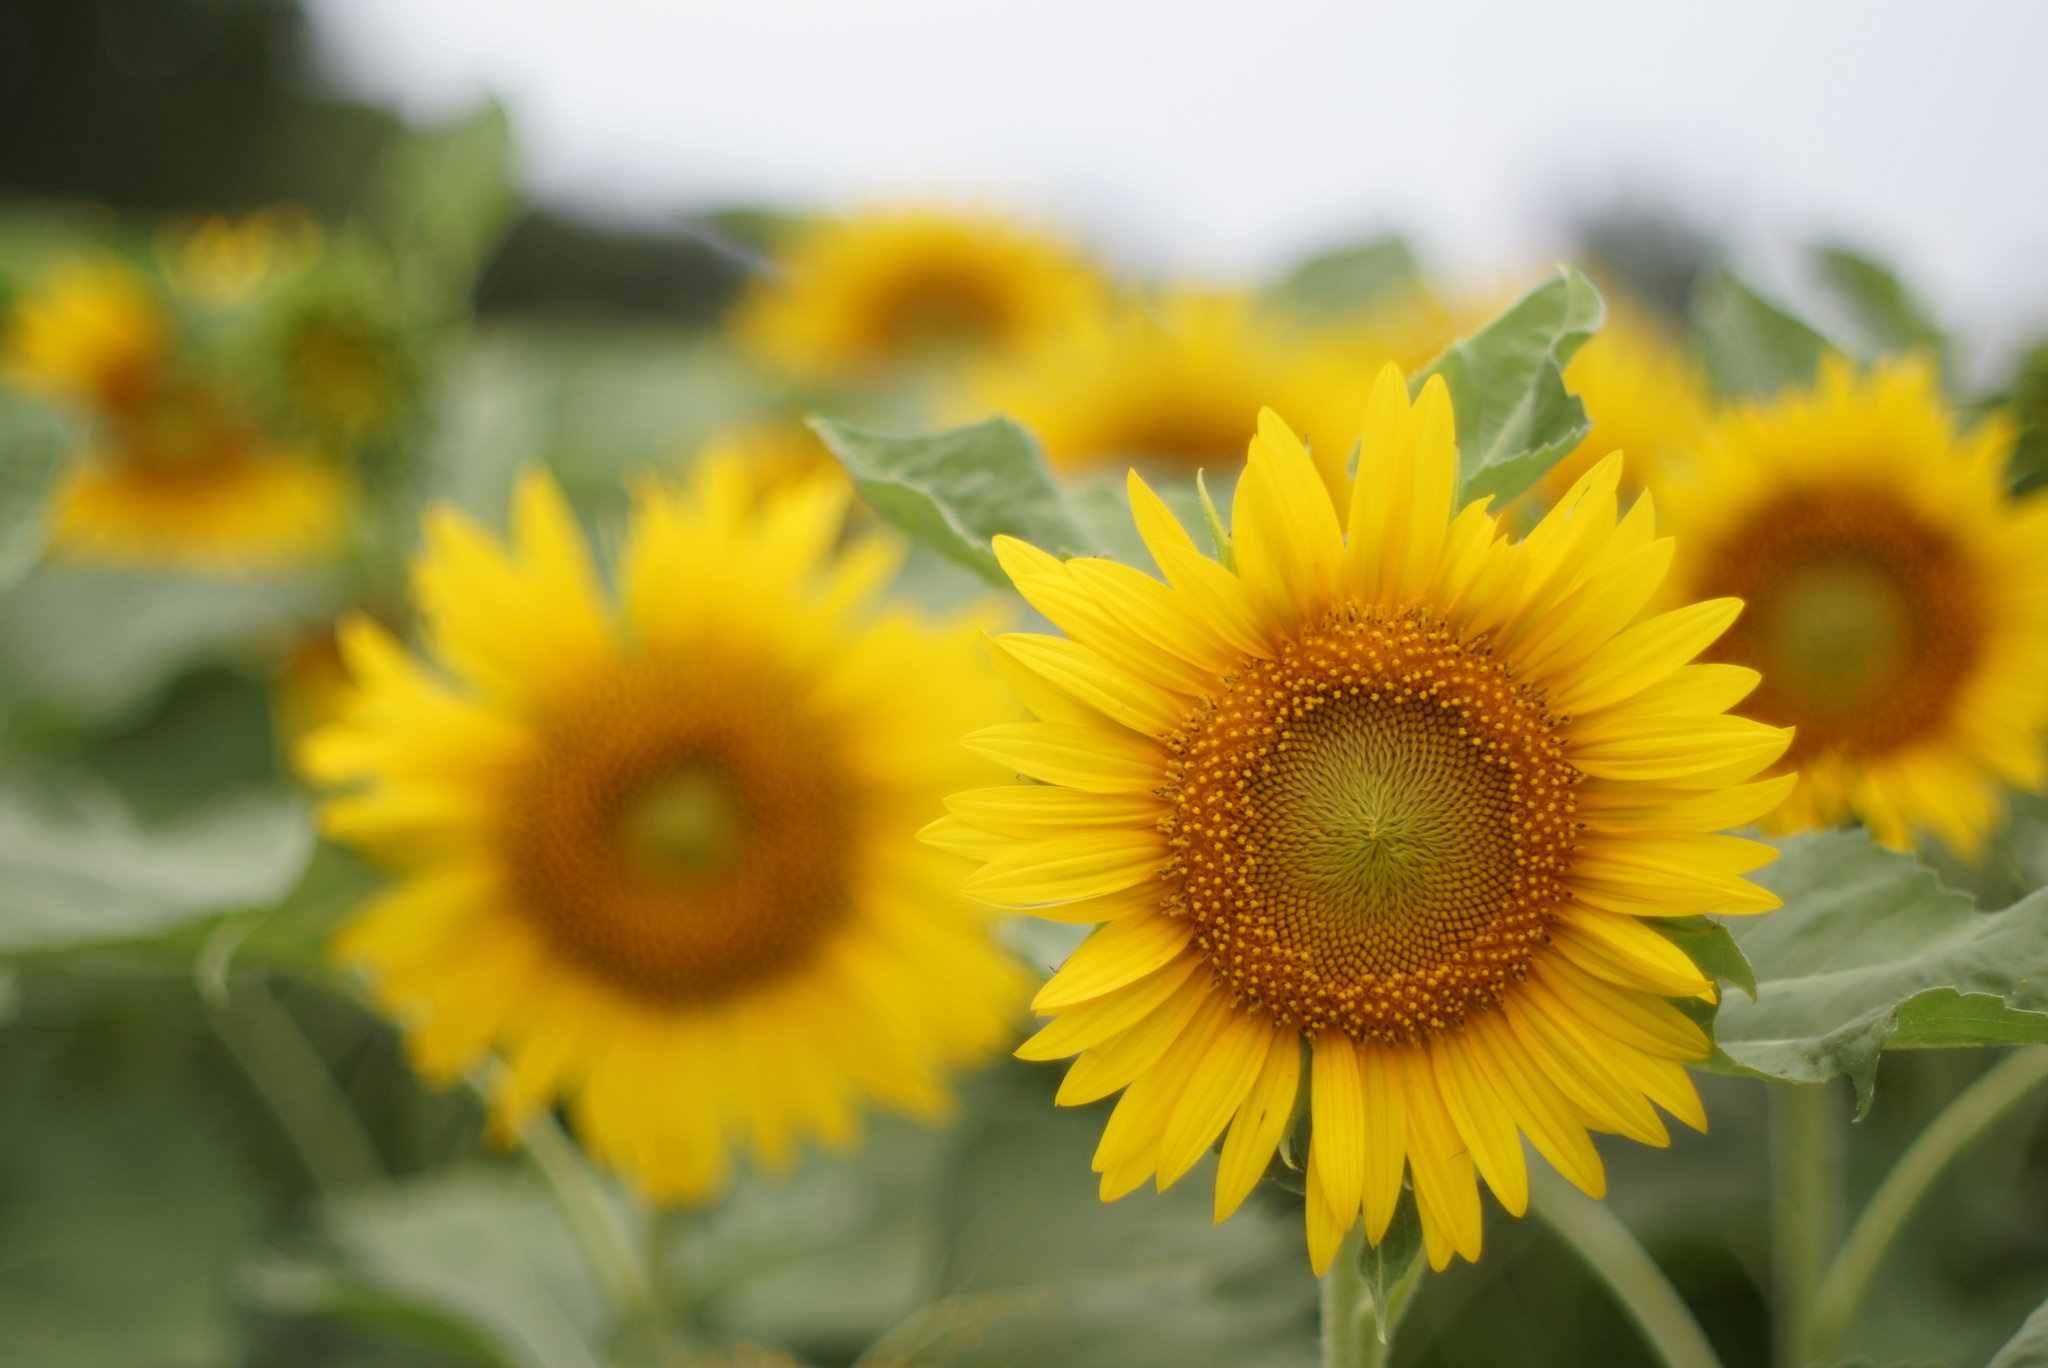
{"type": "Point", "coordinates": [1888, 316]}
{"type": "Point", "coordinates": [33, 444]}
{"type": "Point", "coordinates": [956, 491]}
{"type": "Point", "coordinates": [1712, 948]}
{"type": "Point", "coordinates": [2027, 1349]}
{"type": "Point", "coordinates": [1395, 1260]}
{"type": "Point", "coordinates": [77, 869]}
{"type": "Point", "coordinates": [92, 648]}
{"type": "Point", "coordinates": [469, 1255]}
{"type": "Point", "coordinates": [1515, 418]}
{"type": "Point", "coordinates": [1870, 952]}
{"type": "Point", "coordinates": [1752, 348]}
{"type": "Point", "coordinates": [442, 199]}
{"type": "Point", "coordinates": [1350, 280]}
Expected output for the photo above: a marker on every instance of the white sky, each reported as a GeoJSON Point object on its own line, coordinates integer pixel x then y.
{"type": "Point", "coordinates": [1224, 139]}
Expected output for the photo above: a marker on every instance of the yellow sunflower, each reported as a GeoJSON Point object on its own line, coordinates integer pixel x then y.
{"type": "Point", "coordinates": [658, 847]}
{"type": "Point", "coordinates": [221, 261]}
{"type": "Point", "coordinates": [1647, 399]}
{"type": "Point", "coordinates": [1381, 812]}
{"type": "Point", "coordinates": [93, 334]}
{"type": "Point", "coordinates": [172, 472]}
{"type": "Point", "coordinates": [1172, 383]}
{"type": "Point", "coordinates": [1898, 600]}
{"type": "Point", "coordinates": [860, 294]}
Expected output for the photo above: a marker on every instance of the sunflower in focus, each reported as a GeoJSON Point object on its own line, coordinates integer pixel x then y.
{"type": "Point", "coordinates": [658, 848]}
{"type": "Point", "coordinates": [1898, 600]}
{"type": "Point", "coordinates": [1171, 384]}
{"type": "Point", "coordinates": [1385, 807]}
{"type": "Point", "coordinates": [854, 296]}
{"type": "Point", "coordinates": [172, 472]}
{"type": "Point", "coordinates": [1647, 399]}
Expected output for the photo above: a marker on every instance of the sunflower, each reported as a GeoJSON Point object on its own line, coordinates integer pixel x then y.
{"type": "Point", "coordinates": [658, 849]}
{"type": "Point", "coordinates": [1172, 383]}
{"type": "Point", "coordinates": [1898, 600]}
{"type": "Point", "coordinates": [858, 295]}
{"type": "Point", "coordinates": [93, 334]}
{"type": "Point", "coordinates": [1647, 399]}
{"type": "Point", "coordinates": [1379, 807]}
{"type": "Point", "coordinates": [172, 473]}
{"type": "Point", "coordinates": [222, 262]}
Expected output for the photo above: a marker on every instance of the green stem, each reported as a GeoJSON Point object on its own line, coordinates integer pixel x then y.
{"type": "Point", "coordinates": [616, 1256]}
{"type": "Point", "coordinates": [1808, 1135]}
{"type": "Point", "coordinates": [1972, 1112]}
{"type": "Point", "coordinates": [1615, 1257]}
{"type": "Point", "coordinates": [294, 1079]}
{"type": "Point", "coordinates": [1355, 1333]}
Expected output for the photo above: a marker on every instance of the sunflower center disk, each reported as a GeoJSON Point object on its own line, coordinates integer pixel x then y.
{"type": "Point", "coordinates": [684, 831]}
{"type": "Point", "coordinates": [1861, 617]}
{"type": "Point", "coordinates": [1372, 829]}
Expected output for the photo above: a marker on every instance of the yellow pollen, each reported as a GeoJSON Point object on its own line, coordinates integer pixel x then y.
{"type": "Point", "coordinates": [683, 830]}
{"type": "Point", "coordinates": [1863, 619]}
{"type": "Point", "coordinates": [1372, 829]}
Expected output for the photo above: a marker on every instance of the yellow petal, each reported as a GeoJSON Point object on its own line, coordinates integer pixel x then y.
{"type": "Point", "coordinates": [1120, 953]}
{"type": "Point", "coordinates": [1093, 759]}
{"type": "Point", "coordinates": [1255, 1134]}
{"type": "Point", "coordinates": [1337, 1105]}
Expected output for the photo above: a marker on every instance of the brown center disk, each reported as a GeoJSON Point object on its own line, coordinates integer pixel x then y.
{"type": "Point", "coordinates": [1372, 829]}
{"type": "Point", "coordinates": [942, 306]}
{"type": "Point", "coordinates": [685, 831]}
{"type": "Point", "coordinates": [1863, 619]}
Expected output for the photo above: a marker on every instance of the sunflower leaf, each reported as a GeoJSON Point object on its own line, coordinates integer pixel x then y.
{"type": "Point", "coordinates": [1515, 417]}
{"type": "Point", "coordinates": [1886, 315]}
{"type": "Point", "coordinates": [956, 491]}
{"type": "Point", "coordinates": [1871, 952]}
{"type": "Point", "coordinates": [1711, 948]}
{"type": "Point", "coordinates": [77, 869]}
{"type": "Point", "coordinates": [2028, 1348]}
{"type": "Point", "coordinates": [1350, 279]}
{"type": "Point", "coordinates": [1396, 1260]}
{"type": "Point", "coordinates": [1752, 348]}
{"type": "Point", "coordinates": [33, 443]}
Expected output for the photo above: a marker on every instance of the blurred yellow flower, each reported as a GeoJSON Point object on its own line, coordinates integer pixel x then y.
{"type": "Point", "coordinates": [1647, 399]}
{"type": "Point", "coordinates": [1170, 383]}
{"type": "Point", "coordinates": [224, 261]}
{"type": "Point", "coordinates": [182, 480]}
{"type": "Point", "coordinates": [658, 849]}
{"type": "Point", "coordinates": [1898, 600]}
{"type": "Point", "coordinates": [343, 373]}
{"type": "Point", "coordinates": [93, 333]}
{"type": "Point", "coordinates": [1379, 810]}
{"type": "Point", "coordinates": [858, 295]}
{"type": "Point", "coordinates": [774, 453]}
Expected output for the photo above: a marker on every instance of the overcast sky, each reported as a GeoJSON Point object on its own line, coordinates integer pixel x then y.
{"type": "Point", "coordinates": [1224, 139]}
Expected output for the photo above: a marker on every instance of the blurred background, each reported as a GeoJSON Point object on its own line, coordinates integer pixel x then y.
{"type": "Point", "coordinates": [599, 182]}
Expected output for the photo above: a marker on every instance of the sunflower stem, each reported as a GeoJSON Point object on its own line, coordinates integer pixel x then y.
{"type": "Point", "coordinates": [1808, 1135]}
{"type": "Point", "coordinates": [293, 1077]}
{"type": "Point", "coordinates": [1968, 1116]}
{"type": "Point", "coordinates": [1355, 1332]}
{"type": "Point", "coordinates": [1615, 1257]}
{"type": "Point", "coordinates": [618, 1259]}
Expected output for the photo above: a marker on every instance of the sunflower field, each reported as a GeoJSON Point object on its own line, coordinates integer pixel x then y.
{"type": "Point", "coordinates": [870, 788]}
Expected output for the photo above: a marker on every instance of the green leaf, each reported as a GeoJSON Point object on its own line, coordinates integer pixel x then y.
{"type": "Point", "coordinates": [1870, 951]}
{"type": "Point", "coordinates": [1391, 1262]}
{"type": "Point", "coordinates": [956, 491]}
{"type": "Point", "coordinates": [1752, 348]}
{"type": "Point", "coordinates": [2028, 1348]}
{"type": "Point", "coordinates": [474, 1251]}
{"type": "Point", "coordinates": [443, 198]}
{"type": "Point", "coordinates": [33, 444]}
{"type": "Point", "coordinates": [1711, 948]}
{"type": "Point", "coordinates": [1351, 279]}
{"type": "Point", "coordinates": [88, 648]}
{"type": "Point", "coordinates": [124, 1213]}
{"type": "Point", "coordinates": [1515, 418]}
{"type": "Point", "coordinates": [1888, 315]}
{"type": "Point", "coordinates": [78, 870]}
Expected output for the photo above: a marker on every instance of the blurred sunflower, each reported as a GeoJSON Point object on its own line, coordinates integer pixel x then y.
{"type": "Point", "coordinates": [774, 452]}
{"type": "Point", "coordinates": [172, 473]}
{"type": "Point", "coordinates": [342, 370]}
{"type": "Point", "coordinates": [1898, 600]}
{"type": "Point", "coordinates": [223, 261]}
{"type": "Point", "coordinates": [1379, 811]}
{"type": "Point", "coordinates": [1170, 383]}
{"type": "Point", "coordinates": [858, 295]}
{"type": "Point", "coordinates": [659, 850]}
{"type": "Point", "coordinates": [1647, 399]}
